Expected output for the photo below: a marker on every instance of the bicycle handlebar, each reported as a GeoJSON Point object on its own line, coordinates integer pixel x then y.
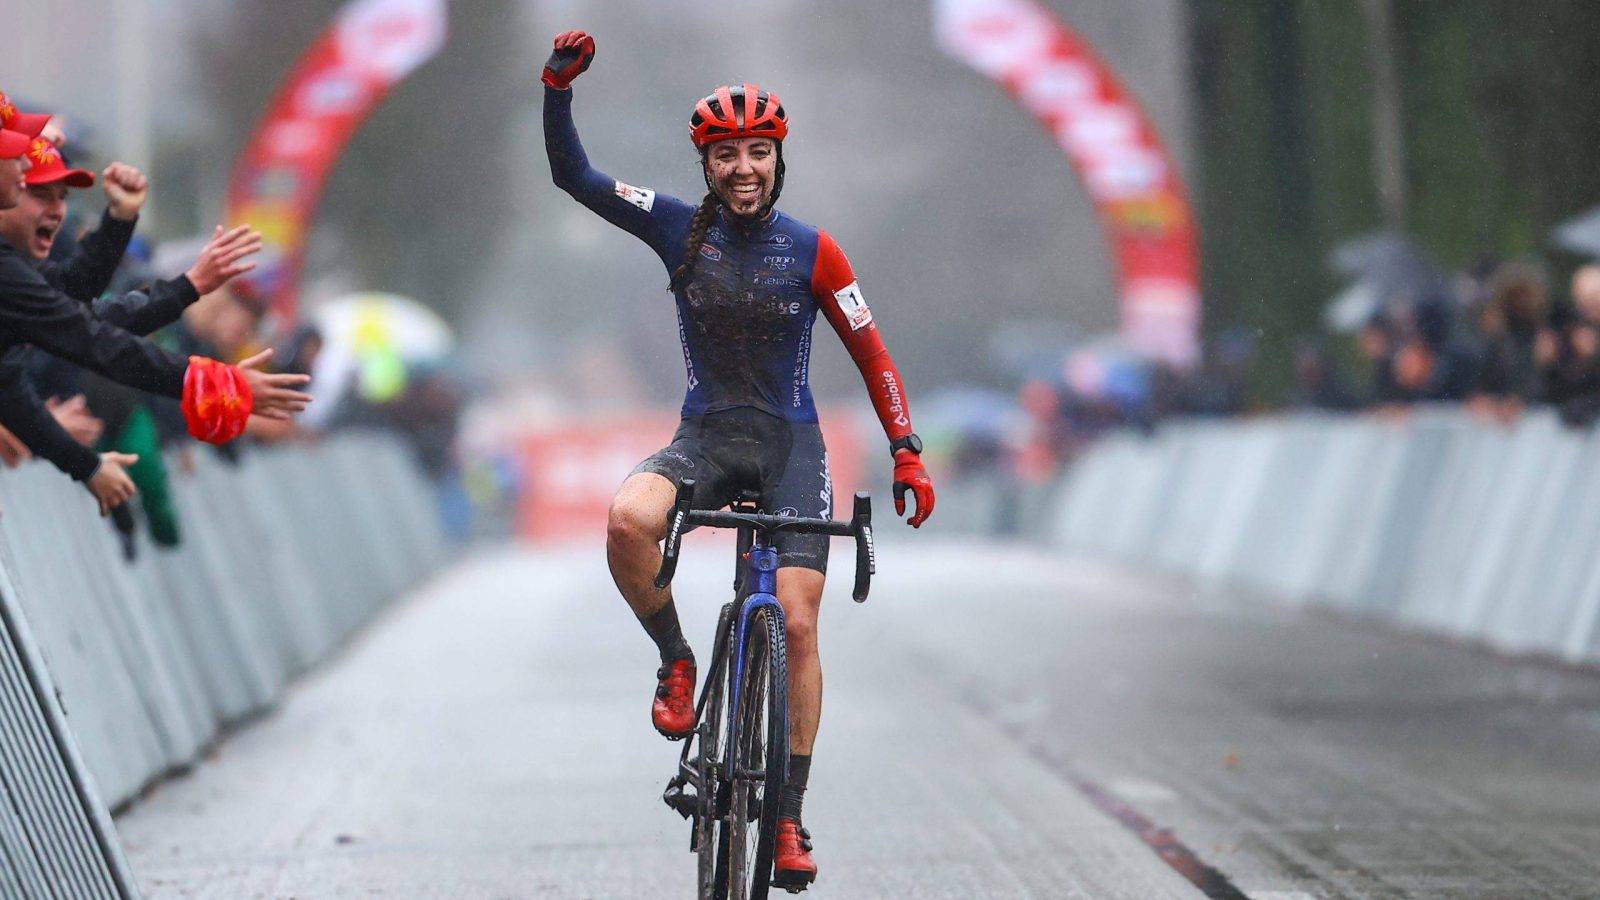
{"type": "Point", "coordinates": [683, 518]}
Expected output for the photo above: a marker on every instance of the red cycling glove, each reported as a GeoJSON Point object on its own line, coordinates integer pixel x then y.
{"type": "Point", "coordinates": [216, 400]}
{"type": "Point", "coordinates": [573, 52]}
{"type": "Point", "coordinates": [909, 474]}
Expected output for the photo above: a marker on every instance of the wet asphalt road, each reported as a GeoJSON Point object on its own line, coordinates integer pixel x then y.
{"type": "Point", "coordinates": [997, 723]}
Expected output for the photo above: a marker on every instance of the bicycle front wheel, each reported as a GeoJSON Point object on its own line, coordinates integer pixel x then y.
{"type": "Point", "coordinates": [761, 761]}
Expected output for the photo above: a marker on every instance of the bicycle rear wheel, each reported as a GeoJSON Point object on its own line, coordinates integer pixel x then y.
{"type": "Point", "coordinates": [760, 763]}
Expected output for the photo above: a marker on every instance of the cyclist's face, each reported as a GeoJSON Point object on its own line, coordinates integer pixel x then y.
{"type": "Point", "coordinates": [742, 171]}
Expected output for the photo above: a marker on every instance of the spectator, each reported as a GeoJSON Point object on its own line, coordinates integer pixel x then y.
{"type": "Point", "coordinates": [1377, 343]}
{"type": "Point", "coordinates": [1516, 342]}
{"type": "Point", "coordinates": [1572, 371]}
{"type": "Point", "coordinates": [1320, 383]}
{"type": "Point", "coordinates": [34, 310]}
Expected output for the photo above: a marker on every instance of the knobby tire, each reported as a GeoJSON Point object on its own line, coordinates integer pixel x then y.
{"type": "Point", "coordinates": [764, 744]}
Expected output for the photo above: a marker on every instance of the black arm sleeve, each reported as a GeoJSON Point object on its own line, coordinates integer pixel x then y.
{"type": "Point", "coordinates": [88, 271]}
{"type": "Point", "coordinates": [25, 415]}
{"type": "Point", "coordinates": [149, 310]}
{"type": "Point", "coordinates": [31, 310]}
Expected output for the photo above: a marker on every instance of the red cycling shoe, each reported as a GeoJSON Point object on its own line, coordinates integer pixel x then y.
{"type": "Point", "coordinates": [792, 868]}
{"type": "Point", "coordinates": [673, 710]}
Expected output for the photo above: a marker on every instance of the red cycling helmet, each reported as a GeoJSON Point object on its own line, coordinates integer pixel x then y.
{"type": "Point", "coordinates": [729, 112]}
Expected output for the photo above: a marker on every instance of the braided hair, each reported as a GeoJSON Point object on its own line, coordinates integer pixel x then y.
{"type": "Point", "coordinates": [698, 224]}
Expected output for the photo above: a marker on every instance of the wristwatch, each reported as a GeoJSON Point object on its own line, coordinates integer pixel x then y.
{"type": "Point", "coordinates": [909, 442]}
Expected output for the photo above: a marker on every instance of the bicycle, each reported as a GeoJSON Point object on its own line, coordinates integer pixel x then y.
{"type": "Point", "coordinates": [737, 776]}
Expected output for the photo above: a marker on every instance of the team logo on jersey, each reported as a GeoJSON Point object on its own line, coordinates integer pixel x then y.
{"type": "Point", "coordinates": [677, 456]}
{"type": "Point", "coordinates": [897, 400]}
{"type": "Point", "coordinates": [710, 252]}
{"type": "Point", "coordinates": [854, 308]}
{"type": "Point", "coordinates": [644, 198]}
{"type": "Point", "coordinates": [782, 241]}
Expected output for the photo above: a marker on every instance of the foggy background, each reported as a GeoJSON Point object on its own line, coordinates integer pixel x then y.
{"type": "Point", "coordinates": [1318, 617]}
{"type": "Point", "coordinates": [974, 241]}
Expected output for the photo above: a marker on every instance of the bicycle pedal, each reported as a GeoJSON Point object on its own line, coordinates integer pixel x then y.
{"type": "Point", "coordinates": [685, 802]}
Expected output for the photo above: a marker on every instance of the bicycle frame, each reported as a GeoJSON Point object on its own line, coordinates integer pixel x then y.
{"type": "Point", "coordinates": [758, 570]}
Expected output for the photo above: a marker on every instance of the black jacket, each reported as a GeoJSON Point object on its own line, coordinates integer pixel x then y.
{"type": "Point", "coordinates": [86, 271]}
{"type": "Point", "coordinates": [47, 305]}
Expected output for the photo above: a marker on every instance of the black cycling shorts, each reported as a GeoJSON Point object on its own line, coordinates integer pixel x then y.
{"type": "Point", "coordinates": [746, 449]}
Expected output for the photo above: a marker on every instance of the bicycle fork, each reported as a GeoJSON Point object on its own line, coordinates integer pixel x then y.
{"type": "Point", "coordinates": [761, 577]}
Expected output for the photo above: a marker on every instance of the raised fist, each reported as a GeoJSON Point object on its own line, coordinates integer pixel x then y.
{"type": "Point", "coordinates": [573, 52]}
{"type": "Point", "coordinates": [126, 189]}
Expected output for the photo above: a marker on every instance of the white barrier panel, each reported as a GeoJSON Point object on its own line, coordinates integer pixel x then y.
{"type": "Point", "coordinates": [1437, 520]}
{"type": "Point", "coordinates": [282, 557]}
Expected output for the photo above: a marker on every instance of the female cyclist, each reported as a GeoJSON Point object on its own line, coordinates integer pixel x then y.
{"type": "Point", "coordinates": [749, 282]}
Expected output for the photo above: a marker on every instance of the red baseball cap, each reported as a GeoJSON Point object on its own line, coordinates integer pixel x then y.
{"type": "Point", "coordinates": [49, 167]}
{"type": "Point", "coordinates": [11, 119]}
{"type": "Point", "coordinates": [13, 145]}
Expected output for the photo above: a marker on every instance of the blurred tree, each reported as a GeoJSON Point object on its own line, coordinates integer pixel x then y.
{"type": "Point", "coordinates": [1499, 125]}
{"type": "Point", "coordinates": [421, 187]}
{"type": "Point", "coordinates": [1284, 165]}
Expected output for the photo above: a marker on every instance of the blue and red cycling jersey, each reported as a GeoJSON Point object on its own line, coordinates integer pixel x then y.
{"type": "Point", "coordinates": [746, 314]}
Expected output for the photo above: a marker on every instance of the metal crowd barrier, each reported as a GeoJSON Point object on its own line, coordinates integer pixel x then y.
{"type": "Point", "coordinates": [112, 675]}
{"type": "Point", "coordinates": [1439, 521]}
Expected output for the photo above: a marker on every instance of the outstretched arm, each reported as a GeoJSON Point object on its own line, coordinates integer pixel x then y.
{"type": "Point", "coordinates": [834, 286]}
{"type": "Point", "coordinates": [224, 257]}
{"type": "Point", "coordinates": [639, 211]}
{"type": "Point", "coordinates": [35, 312]}
{"type": "Point", "coordinates": [86, 272]}
{"type": "Point", "coordinates": [26, 416]}
{"type": "Point", "coordinates": [104, 475]}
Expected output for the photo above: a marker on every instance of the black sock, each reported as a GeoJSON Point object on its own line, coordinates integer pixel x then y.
{"type": "Point", "coordinates": [794, 790]}
{"type": "Point", "coordinates": [664, 629]}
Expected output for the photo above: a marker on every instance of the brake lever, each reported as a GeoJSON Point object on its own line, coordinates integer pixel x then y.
{"type": "Point", "coordinates": [669, 549]}
{"type": "Point", "coordinates": [866, 555]}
